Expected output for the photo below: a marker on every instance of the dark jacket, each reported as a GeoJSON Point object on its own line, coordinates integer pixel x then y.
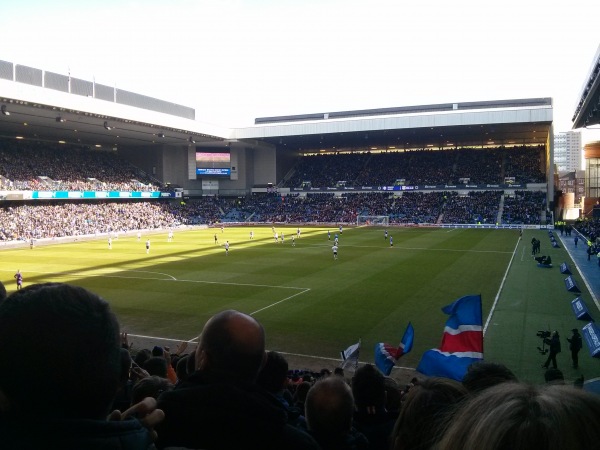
{"type": "Point", "coordinates": [575, 343]}
{"type": "Point", "coordinates": [74, 435]}
{"type": "Point", "coordinates": [376, 426]}
{"type": "Point", "coordinates": [554, 343]}
{"type": "Point", "coordinates": [351, 441]}
{"type": "Point", "coordinates": [212, 412]}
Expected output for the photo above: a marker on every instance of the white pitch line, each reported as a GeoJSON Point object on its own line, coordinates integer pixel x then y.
{"type": "Point", "coordinates": [156, 338]}
{"type": "Point", "coordinates": [280, 301]}
{"type": "Point", "coordinates": [84, 274]}
{"type": "Point", "coordinates": [269, 306]}
{"type": "Point", "coordinates": [325, 358]}
{"type": "Point", "coordinates": [172, 278]}
{"type": "Point", "coordinates": [244, 284]}
{"type": "Point", "coordinates": [566, 247]}
{"type": "Point", "coordinates": [303, 290]}
{"type": "Point", "coordinates": [302, 355]}
{"type": "Point", "coordinates": [487, 322]}
{"type": "Point", "coordinates": [421, 248]}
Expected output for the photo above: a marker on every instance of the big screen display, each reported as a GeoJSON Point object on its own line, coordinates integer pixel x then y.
{"type": "Point", "coordinates": [213, 164]}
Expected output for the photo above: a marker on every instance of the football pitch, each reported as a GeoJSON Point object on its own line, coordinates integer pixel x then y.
{"type": "Point", "coordinates": [311, 304]}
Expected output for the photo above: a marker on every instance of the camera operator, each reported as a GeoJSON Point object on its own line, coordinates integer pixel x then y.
{"type": "Point", "coordinates": [554, 345]}
{"type": "Point", "coordinates": [546, 260]}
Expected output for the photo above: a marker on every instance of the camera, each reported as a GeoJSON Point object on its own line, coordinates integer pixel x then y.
{"type": "Point", "coordinates": [543, 335]}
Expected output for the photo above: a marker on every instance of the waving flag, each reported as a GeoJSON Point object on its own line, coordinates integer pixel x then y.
{"type": "Point", "coordinates": [350, 356]}
{"type": "Point", "coordinates": [386, 355]}
{"type": "Point", "coordinates": [462, 342]}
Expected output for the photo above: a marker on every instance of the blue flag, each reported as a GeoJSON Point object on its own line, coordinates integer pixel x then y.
{"type": "Point", "coordinates": [386, 355]}
{"type": "Point", "coordinates": [462, 341]}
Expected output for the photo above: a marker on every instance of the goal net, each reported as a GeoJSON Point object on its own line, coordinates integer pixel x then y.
{"type": "Point", "coordinates": [372, 221]}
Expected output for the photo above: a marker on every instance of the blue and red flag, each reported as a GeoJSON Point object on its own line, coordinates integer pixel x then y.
{"type": "Point", "coordinates": [386, 355]}
{"type": "Point", "coordinates": [462, 342]}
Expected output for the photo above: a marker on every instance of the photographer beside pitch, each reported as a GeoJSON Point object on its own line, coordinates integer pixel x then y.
{"type": "Point", "coordinates": [554, 345]}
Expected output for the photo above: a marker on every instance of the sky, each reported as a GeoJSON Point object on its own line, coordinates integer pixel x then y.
{"type": "Point", "coordinates": [235, 60]}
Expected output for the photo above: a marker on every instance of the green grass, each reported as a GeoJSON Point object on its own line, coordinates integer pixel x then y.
{"type": "Point", "coordinates": [311, 304]}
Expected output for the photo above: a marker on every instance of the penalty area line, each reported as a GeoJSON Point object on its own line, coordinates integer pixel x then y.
{"type": "Point", "coordinates": [280, 301]}
{"type": "Point", "coordinates": [157, 338]}
{"type": "Point", "coordinates": [270, 306]}
{"type": "Point", "coordinates": [87, 274]}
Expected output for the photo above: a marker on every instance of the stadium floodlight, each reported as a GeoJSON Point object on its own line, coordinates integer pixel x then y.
{"type": "Point", "coordinates": [4, 110]}
{"type": "Point", "coordinates": [192, 140]}
{"type": "Point", "coordinates": [60, 119]}
{"type": "Point", "coordinates": [106, 126]}
{"type": "Point", "coordinates": [161, 135]}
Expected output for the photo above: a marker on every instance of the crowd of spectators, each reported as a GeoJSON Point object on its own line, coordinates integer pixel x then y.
{"type": "Point", "coordinates": [420, 167]}
{"type": "Point", "coordinates": [328, 170]}
{"type": "Point", "coordinates": [589, 227]}
{"type": "Point", "coordinates": [78, 383]}
{"type": "Point", "coordinates": [54, 219]}
{"type": "Point", "coordinates": [27, 222]}
{"type": "Point", "coordinates": [526, 166]}
{"type": "Point", "coordinates": [479, 167]}
{"type": "Point", "coordinates": [417, 207]}
{"type": "Point", "coordinates": [31, 166]}
{"type": "Point", "coordinates": [523, 207]}
{"type": "Point", "coordinates": [477, 207]}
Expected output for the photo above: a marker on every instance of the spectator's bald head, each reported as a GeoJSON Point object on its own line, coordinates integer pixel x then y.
{"type": "Point", "coordinates": [232, 342]}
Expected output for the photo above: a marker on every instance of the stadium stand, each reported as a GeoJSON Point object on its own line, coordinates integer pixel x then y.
{"type": "Point", "coordinates": [49, 167]}
{"type": "Point", "coordinates": [37, 166]}
{"type": "Point", "coordinates": [420, 167]}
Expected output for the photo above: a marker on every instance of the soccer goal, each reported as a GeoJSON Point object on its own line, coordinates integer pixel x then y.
{"type": "Point", "coordinates": [383, 221]}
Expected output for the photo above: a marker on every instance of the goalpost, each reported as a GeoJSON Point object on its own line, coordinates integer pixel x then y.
{"type": "Point", "coordinates": [382, 221]}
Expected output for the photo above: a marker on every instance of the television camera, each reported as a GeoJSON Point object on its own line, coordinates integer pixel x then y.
{"type": "Point", "coordinates": [543, 335]}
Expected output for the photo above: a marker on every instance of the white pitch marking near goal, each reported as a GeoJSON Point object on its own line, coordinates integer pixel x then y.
{"type": "Point", "coordinates": [304, 290]}
{"type": "Point", "coordinates": [98, 273]}
{"type": "Point", "coordinates": [280, 301]}
{"type": "Point", "coordinates": [172, 278]}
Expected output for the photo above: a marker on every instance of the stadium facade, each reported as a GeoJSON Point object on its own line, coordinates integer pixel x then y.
{"type": "Point", "coordinates": [164, 139]}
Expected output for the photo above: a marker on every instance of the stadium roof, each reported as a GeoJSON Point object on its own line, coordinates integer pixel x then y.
{"type": "Point", "coordinates": [587, 112]}
{"type": "Point", "coordinates": [45, 106]}
{"type": "Point", "coordinates": [489, 123]}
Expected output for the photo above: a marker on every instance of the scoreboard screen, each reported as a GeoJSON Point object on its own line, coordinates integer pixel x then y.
{"type": "Point", "coordinates": [213, 164]}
